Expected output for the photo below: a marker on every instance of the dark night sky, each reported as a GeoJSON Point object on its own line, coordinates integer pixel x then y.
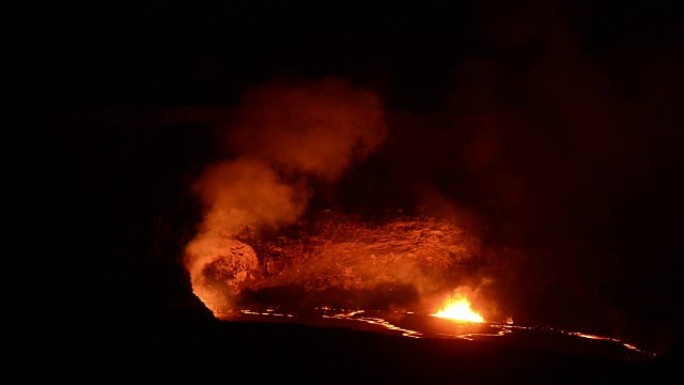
{"type": "Point", "coordinates": [205, 54]}
{"type": "Point", "coordinates": [585, 89]}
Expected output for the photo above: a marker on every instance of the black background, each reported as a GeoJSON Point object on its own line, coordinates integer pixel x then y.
{"type": "Point", "coordinates": [107, 172]}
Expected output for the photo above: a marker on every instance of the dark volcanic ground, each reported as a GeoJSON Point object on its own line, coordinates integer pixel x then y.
{"type": "Point", "coordinates": [198, 348]}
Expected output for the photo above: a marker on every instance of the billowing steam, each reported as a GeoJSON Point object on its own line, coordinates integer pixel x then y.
{"type": "Point", "coordinates": [247, 193]}
{"type": "Point", "coordinates": [286, 134]}
{"type": "Point", "coordinates": [318, 129]}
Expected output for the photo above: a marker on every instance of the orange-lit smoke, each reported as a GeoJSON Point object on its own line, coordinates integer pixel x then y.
{"type": "Point", "coordinates": [285, 135]}
{"type": "Point", "coordinates": [318, 129]}
{"type": "Point", "coordinates": [247, 193]}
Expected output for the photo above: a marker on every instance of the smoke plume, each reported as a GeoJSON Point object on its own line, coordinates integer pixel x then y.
{"type": "Point", "coordinates": [286, 134]}
{"type": "Point", "coordinates": [317, 129]}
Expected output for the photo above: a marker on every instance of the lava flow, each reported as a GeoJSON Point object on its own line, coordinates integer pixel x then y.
{"type": "Point", "coordinates": [458, 308]}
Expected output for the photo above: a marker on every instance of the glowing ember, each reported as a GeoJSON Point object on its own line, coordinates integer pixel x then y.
{"type": "Point", "coordinates": [458, 308]}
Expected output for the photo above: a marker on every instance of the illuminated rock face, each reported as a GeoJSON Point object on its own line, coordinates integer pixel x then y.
{"type": "Point", "coordinates": [233, 265]}
{"type": "Point", "coordinates": [347, 253]}
{"type": "Point", "coordinates": [218, 268]}
{"type": "Point", "coordinates": [334, 260]}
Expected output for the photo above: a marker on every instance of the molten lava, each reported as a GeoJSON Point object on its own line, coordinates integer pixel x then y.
{"type": "Point", "coordinates": [458, 309]}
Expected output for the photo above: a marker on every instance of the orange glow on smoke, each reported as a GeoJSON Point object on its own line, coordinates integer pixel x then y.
{"type": "Point", "coordinates": [286, 135]}
{"type": "Point", "coordinates": [458, 308]}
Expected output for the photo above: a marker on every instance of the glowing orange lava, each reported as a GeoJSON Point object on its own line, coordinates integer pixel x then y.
{"type": "Point", "coordinates": [458, 309]}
